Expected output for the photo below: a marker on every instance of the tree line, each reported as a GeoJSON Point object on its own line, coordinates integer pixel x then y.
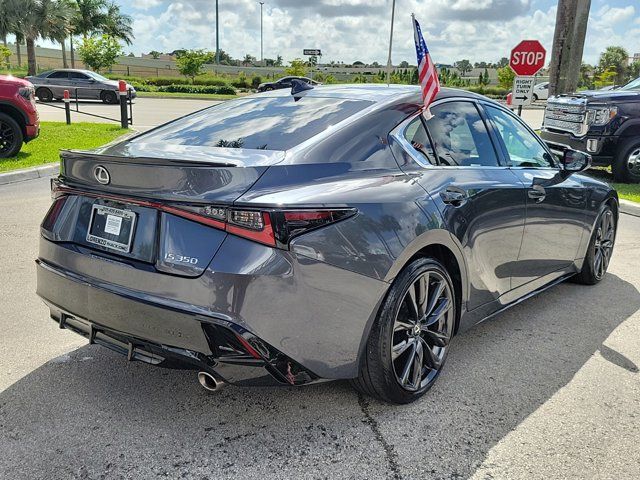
{"type": "Point", "coordinates": [61, 21]}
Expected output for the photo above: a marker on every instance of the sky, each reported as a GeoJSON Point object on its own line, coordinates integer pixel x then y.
{"type": "Point", "coordinates": [350, 30]}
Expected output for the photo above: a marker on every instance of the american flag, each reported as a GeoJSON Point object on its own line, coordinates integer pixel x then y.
{"type": "Point", "coordinates": [427, 73]}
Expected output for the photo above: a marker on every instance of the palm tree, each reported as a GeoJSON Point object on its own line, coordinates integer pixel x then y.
{"type": "Point", "coordinates": [118, 25]}
{"type": "Point", "coordinates": [90, 16]}
{"type": "Point", "coordinates": [60, 31]}
{"type": "Point", "coordinates": [46, 19]}
{"type": "Point", "coordinates": [5, 21]}
{"type": "Point", "coordinates": [14, 13]}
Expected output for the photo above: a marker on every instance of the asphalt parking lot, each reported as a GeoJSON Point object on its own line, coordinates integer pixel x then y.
{"type": "Point", "coordinates": [147, 112]}
{"type": "Point", "coordinates": [548, 389]}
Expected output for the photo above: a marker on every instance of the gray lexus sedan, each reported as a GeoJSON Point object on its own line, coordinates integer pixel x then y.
{"type": "Point", "coordinates": [84, 84]}
{"type": "Point", "coordinates": [317, 233]}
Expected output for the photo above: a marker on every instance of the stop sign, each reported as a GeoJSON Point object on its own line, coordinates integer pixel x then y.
{"type": "Point", "coordinates": [527, 57]}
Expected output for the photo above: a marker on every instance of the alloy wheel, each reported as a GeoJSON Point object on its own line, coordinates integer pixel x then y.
{"type": "Point", "coordinates": [633, 162]}
{"type": "Point", "coordinates": [422, 330]}
{"type": "Point", "coordinates": [605, 235]}
{"type": "Point", "coordinates": [7, 137]}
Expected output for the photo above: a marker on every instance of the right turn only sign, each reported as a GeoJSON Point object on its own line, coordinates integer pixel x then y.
{"type": "Point", "coordinates": [522, 93]}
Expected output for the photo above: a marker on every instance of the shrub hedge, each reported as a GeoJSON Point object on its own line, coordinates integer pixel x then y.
{"type": "Point", "coordinates": [219, 90]}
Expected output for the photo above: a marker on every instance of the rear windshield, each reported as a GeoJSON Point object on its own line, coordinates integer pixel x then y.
{"type": "Point", "coordinates": [273, 123]}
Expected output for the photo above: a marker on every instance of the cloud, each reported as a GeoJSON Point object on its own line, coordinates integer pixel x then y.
{"type": "Point", "coordinates": [146, 4]}
{"type": "Point", "coordinates": [350, 30]}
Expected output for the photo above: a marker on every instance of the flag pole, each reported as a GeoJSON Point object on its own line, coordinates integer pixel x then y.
{"type": "Point", "coordinates": [393, 14]}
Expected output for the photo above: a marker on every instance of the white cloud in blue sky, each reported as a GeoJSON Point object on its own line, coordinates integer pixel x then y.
{"type": "Point", "coordinates": [349, 30]}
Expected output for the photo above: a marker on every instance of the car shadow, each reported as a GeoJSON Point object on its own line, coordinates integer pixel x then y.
{"type": "Point", "coordinates": [90, 414]}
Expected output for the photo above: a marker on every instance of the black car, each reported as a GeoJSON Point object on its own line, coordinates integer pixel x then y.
{"type": "Point", "coordinates": [603, 123]}
{"type": "Point", "coordinates": [339, 233]}
{"type": "Point", "coordinates": [285, 82]}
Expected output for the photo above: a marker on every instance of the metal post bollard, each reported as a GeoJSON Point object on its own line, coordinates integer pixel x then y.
{"type": "Point", "coordinates": [124, 117]}
{"type": "Point", "coordinates": [67, 106]}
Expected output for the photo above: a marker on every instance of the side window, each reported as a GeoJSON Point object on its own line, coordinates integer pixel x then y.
{"type": "Point", "coordinates": [524, 148]}
{"type": "Point", "coordinates": [59, 75]}
{"type": "Point", "coordinates": [460, 136]}
{"type": "Point", "coordinates": [416, 135]}
{"type": "Point", "coordinates": [78, 76]}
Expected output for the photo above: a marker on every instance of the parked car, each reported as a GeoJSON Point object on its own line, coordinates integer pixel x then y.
{"type": "Point", "coordinates": [19, 122]}
{"type": "Point", "coordinates": [284, 82]}
{"type": "Point", "coordinates": [541, 91]}
{"type": "Point", "coordinates": [603, 123]}
{"type": "Point", "coordinates": [293, 239]}
{"type": "Point", "coordinates": [87, 85]}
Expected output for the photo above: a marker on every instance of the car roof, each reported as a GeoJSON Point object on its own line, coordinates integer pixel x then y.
{"type": "Point", "coordinates": [79, 70]}
{"type": "Point", "coordinates": [372, 92]}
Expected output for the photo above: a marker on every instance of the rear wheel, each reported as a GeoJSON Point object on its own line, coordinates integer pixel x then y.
{"type": "Point", "coordinates": [44, 94]}
{"type": "Point", "coordinates": [408, 344]}
{"type": "Point", "coordinates": [626, 165]}
{"type": "Point", "coordinates": [109, 97]}
{"type": "Point", "coordinates": [11, 137]}
{"type": "Point", "coordinates": [600, 249]}
{"type": "Point", "coordinates": [535, 97]}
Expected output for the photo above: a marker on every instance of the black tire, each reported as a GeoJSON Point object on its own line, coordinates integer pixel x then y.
{"type": "Point", "coordinates": [11, 136]}
{"type": "Point", "coordinates": [44, 94]}
{"type": "Point", "coordinates": [626, 164]}
{"type": "Point", "coordinates": [109, 97]}
{"type": "Point", "coordinates": [268, 89]}
{"type": "Point", "coordinates": [600, 248]}
{"type": "Point", "coordinates": [535, 97]}
{"type": "Point", "coordinates": [380, 374]}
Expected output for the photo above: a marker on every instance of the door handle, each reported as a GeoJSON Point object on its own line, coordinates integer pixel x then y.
{"type": "Point", "coordinates": [537, 193]}
{"type": "Point", "coordinates": [454, 196]}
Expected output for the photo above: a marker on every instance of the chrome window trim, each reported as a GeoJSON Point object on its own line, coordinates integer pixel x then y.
{"type": "Point", "coordinates": [398, 134]}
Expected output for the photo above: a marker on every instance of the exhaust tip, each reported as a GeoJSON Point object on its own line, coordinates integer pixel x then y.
{"type": "Point", "coordinates": [209, 382]}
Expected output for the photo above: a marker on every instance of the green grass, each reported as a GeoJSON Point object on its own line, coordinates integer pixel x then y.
{"type": "Point", "coordinates": [200, 96]}
{"type": "Point", "coordinates": [626, 191]}
{"type": "Point", "coordinates": [56, 136]}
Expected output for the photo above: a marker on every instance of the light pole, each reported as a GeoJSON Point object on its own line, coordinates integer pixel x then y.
{"type": "Point", "coordinates": [261, 37]}
{"type": "Point", "coordinates": [217, 36]}
{"type": "Point", "coordinates": [393, 14]}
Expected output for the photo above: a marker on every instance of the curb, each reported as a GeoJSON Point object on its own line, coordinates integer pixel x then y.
{"type": "Point", "coordinates": [630, 208]}
{"type": "Point", "coordinates": [29, 173]}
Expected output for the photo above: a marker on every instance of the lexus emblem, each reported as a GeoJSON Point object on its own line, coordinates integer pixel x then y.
{"type": "Point", "coordinates": [102, 175]}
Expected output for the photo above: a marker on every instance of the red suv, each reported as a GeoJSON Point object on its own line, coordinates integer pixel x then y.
{"type": "Point", "coordinates": [18, 115]}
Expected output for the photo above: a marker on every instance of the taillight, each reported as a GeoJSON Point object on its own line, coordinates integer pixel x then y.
{"type": "Point", "coordinates": [273, 227]}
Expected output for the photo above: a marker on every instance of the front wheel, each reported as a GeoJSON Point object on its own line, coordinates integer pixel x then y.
{"type": "Point", "coordinates": [409, 340]}
{"type": "Point", "coordinates": [600, 248]}
{"type": "Point", "coordinates": [109, 97]}
{"type": "Point", "coordinates": [44, 94]}
{"type": "Point", "coordinates": [11, 137]}
{"type": "Point", "coordinates": [626, 165]}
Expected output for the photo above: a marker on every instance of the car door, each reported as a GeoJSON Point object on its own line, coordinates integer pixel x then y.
{"type": "Point", "coordinates": [556, 202]}
{"type": "Point", "coordinates": [84, 84]}
{"type": "Point", "coordinates": [284, 82]}
{"type": "Point", "coordinates": [58, 82]}
{"type": "Point", "coordinates": [481, 200]}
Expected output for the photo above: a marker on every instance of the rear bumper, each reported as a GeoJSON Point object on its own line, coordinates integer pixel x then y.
{"type": "Point", "coordinates": [303, 315]}
{"type": "Point", "coordinates": [144, 331]}
{"type": "Point", "coordinates": [32, 132]}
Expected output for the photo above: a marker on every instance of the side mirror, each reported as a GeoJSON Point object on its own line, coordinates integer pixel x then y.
{"type": "Point", "coordinates": [575, 161]}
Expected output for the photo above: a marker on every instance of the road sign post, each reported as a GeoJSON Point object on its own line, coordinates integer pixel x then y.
{"type": "Point", "coordinates": [522, 92]}
{"type": "Point", "coordinates": [527, 58]}
{"type": "Point", "coordinates": [312, 52]}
